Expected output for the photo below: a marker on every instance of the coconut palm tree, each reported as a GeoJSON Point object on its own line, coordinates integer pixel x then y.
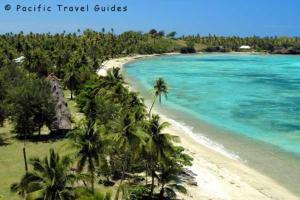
{"type": "Point", "coordinates": [134, 101]}
{"type": "Point", "coordinates": [160, 88]}
{"type": "Point", "coordinates": [170, 171]}
{"type": "Point", "coordinates": [71, 79]}
{"type": "Point", "coordinates": [22, 187]}
{"type": "Point", "coordinates": [170, 181]}
{"type": "Point", "coordinates": [129, 139]}
{"type": "Point", "coordinates": [158, 145]}
{"type": "Point", "coordinates": [51, 179]}
{"type": "Point", "coordinates": [86, 140]}
{"type": "Point", "coordinates": [113, 78]}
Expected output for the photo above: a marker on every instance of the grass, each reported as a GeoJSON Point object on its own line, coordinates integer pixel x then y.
{"type": "Point", "coordinates": [76, 115]}
{"type": "Point", "coordinates": [11, 155]}
{"type": "Point", "coordinates": [12, 163]}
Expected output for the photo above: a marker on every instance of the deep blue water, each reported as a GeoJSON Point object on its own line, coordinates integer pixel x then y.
{"type": "Point", "coordinates": [257, 96]}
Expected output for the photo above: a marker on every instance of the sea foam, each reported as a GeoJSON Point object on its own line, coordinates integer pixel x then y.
{"type": "Point", "coordinates": [203, 140]}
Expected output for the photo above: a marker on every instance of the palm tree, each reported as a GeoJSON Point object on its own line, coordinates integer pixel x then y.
{"type": "Point", "coordinates": [71, 79]}
{"type": "Point", "coordinates": [51, 179]}
{"type": "Point", "coordinates": [129, 139]}
{"type": "Point", "coordinates": [160, 89]}
{"type": "Point", "coordinates": [170, 171]}
{"type": "Point", "coordinates": [170, 181]}
{"type": "Point", "coordinates": [86, 140]}
{"type": "Point", "coordinates": [136, 105]}
{"type": "Point", "coordinates": [134, 101]}
{"type": "Point", "coordinates": [158, 145]}
{"type": "Point", "coordinates": [114, 77]}
{"type": "Point", "coordinates": [22, 187]}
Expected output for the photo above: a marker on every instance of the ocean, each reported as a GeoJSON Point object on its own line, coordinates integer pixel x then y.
{"type": "Point", "coordinates": [246, 106]}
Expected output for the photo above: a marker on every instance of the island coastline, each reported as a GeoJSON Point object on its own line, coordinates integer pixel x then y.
{"type": "Point", "coordinates": [218, 176]}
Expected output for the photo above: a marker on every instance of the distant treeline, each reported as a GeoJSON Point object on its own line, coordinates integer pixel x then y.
{"type": "Point", "coordinates": [58, 49]}
{"type": "Point", "coordinates": [284, 45]}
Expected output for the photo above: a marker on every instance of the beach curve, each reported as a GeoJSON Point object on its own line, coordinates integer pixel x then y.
{"type": "Point", "coordinates": [219, 176]}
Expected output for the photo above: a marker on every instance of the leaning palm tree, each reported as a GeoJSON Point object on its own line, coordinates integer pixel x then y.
{"type": "Point", "coordinates": [86, 140]}
{"type": "Point", "coordinates": [158, 145]}
{"type": "Point", "coordinates": [160, 88]}
{"type": "Point", "coordinates": [51, 179]}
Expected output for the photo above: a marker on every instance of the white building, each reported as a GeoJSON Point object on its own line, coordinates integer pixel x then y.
{"type": "Point", "coordinates": [19, 60]}
{"type": "Point", "coordinates": [245, 47]}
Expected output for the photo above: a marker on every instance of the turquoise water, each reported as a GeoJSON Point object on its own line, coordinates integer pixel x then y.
{"type": "Point", "coordinates": [256, 96]}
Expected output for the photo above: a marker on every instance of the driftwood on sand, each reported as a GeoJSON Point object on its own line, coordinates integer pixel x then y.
{"type": "Point", "coordinates": [63, 117]}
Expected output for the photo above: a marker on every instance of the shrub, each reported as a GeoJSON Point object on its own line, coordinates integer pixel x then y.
{"type": "Point", "coordinates": [187, 50]}
{"type": "Point", "coordinates": [138, 192]}
{"type": "Point", "coordinates": [85, 194]}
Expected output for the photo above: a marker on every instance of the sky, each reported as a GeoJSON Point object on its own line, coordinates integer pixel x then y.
{"type": "Point", "coordinates": [220, 17]}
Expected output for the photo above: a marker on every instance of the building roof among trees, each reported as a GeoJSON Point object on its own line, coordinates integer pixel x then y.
{"type": "Point", "coordinates": [245, 47]}
{"type": "Point", "coordinates": [63, 116]}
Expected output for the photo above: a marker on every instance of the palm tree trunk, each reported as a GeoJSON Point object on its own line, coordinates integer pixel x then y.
{"type": "Point", "coordinates": [123, 169]}
{"type": "Point", "coordinates": [25, 158]}
{"type": "Point", "coordinates": [146, 178]}
{"type": "Point", "coordinates": [152, 107]}
{"type": "Point", "coordinates": [152, 183]}
{"type": "Point", "coordinates": [152, 178]}
{"type": "Point", "coordinates": [92, 182]}
{"type": "Point", "coordinates": [162, 190]}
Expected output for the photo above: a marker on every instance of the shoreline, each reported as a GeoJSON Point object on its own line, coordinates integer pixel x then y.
{"type": "Point", "coordinates": [218, 176]}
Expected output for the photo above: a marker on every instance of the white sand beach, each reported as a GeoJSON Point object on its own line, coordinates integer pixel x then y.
{"type": "Point", "coordinates": [218, 177]}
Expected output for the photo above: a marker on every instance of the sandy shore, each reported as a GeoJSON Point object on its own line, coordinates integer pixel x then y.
{"type": "Point", "coordinates": [218, 177]}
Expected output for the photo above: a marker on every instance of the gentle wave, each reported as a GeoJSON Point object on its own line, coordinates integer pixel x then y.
{"type": "Point", "coordinates": [255, 96]}
{"type": "Point", "coordinates": [203, 140]}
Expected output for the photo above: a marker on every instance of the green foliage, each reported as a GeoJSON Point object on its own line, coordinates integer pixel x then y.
{"type": "Point", "coordinates": [160, 88]}
{"type": "Point", "coordinates": [86, 140]}
{"type": "Point", "coordinates": [172, 34]}
{"type": "Point", "coordinates": [50, 179]}
{"type": "Point", "coordinates": [186, 50]}
{"type": "Point", "coordinates": [71, 79]}
{"type": "Point", "coordinates": [84, 194]}
{"type": "Point", "coordinates": [153, 32]}
{"type": "Point", "coordinates": [233, 43]}
{"type": "Point", "coordinates": [36, 60]}
{"type": "Point", "coordinates": [169, 173]}
{"type": "Point", "coordinates": [190, 47]}
{"type": "Point", "coordinates": [116, 141]}
{"type": "Point", "coordinates": [31, 105]}
{"type": "Point", "coordinates": [10, 76]}
{"type": "Point", "coordinates": [138, 192]}
{"type": "Point", "coordinates": [3, 109]}
{"type": "Point", "coordinates": [190, 43]}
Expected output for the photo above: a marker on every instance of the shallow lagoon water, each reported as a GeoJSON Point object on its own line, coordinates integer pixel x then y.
{"type": "Point", "coordinates": [253, 95]}
{"type": "Point", "coordinates": [251, 101]}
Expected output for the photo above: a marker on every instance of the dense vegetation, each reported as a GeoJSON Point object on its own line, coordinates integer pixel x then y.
{"type": "Point", "coordinates": [118, 143]}
{"type": "Point", "coordinates": [278, 45]}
